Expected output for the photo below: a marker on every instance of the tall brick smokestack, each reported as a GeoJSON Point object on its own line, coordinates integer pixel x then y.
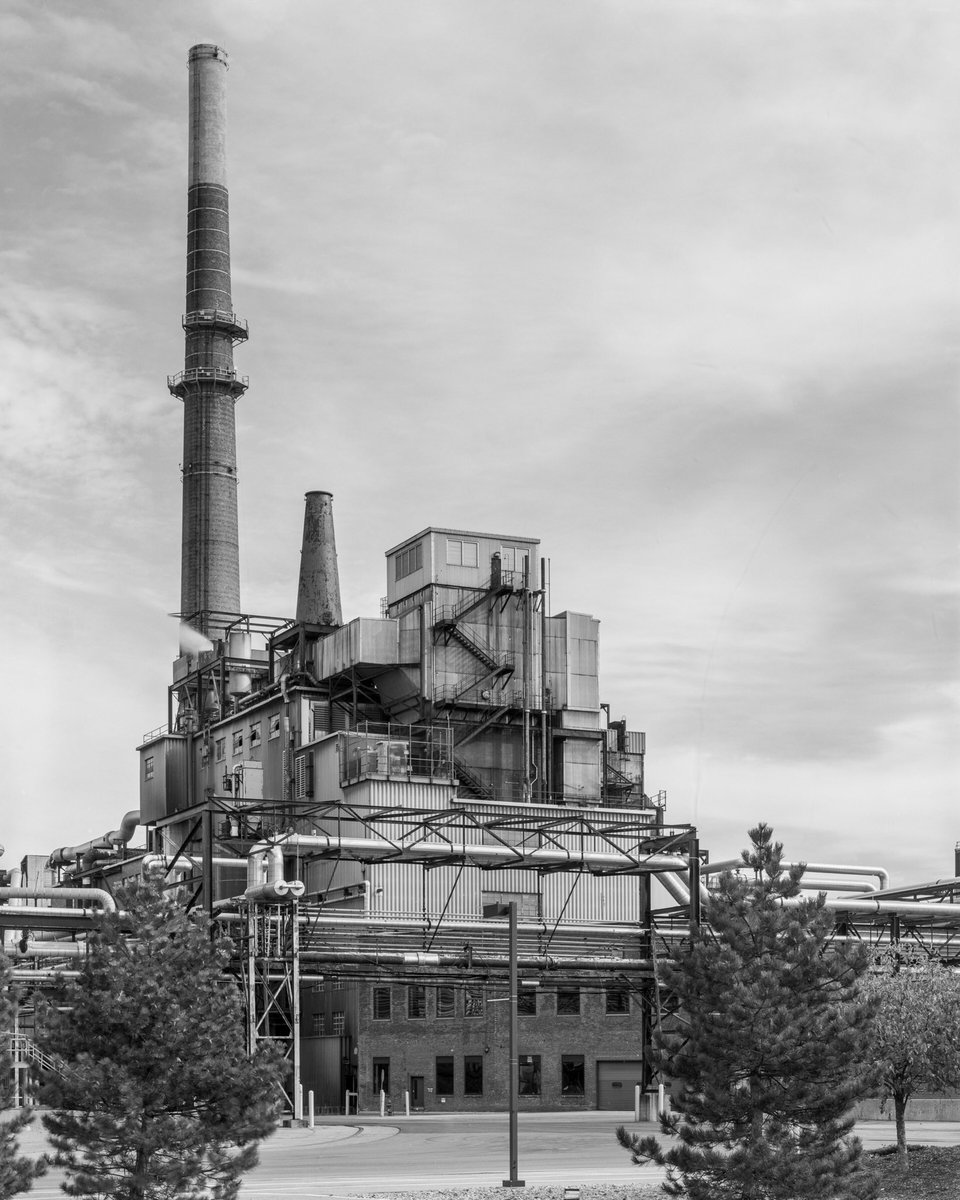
{"type": "Point", "coordinates": [318, 592]}
{"type": "Point", "coordinates": [208, 384]}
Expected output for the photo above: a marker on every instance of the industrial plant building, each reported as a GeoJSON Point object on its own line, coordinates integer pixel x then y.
{"type": "Point", "coordinates": [392, 814]}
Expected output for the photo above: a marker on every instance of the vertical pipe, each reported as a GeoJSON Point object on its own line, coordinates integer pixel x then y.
{"type": "Point", "coordinates": [513, 1181]}
{"type": "Point", "coordinates": [206, 845]}
{"type": "Point", "coordinates": [208, 384]}
{"type": "Point", "coordinates": [694, 882]}
{"type": "Point", "coordinates": [295, 1004]}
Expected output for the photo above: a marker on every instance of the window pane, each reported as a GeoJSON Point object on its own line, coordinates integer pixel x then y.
{"type": "Point", "coordinates": [571, 1074]}
{"type": "Point", "coordinates": [381, 1004]}
{"type": "Point", "coordinates": [416, 1001]}
{"type": "Point", "coordinates": [473, 1002]}
{"type": "Point", "coordinates": [339, 1022]}
{"type": "Point", "coordinates": [618, 999]}
{"type": "Point", "coordinates": [471, 554]}
{"type": "Point", "coordinates": [473, 1075]}
{"type": "Point", "coordinates": [527, 1002]}
{"type": "Point", "coordinates": [446, 1004]}
{"type": "Point", "coordinates": [568, 1001]}
{"type": "Point", "coordinates": [444, 1076]}
{"type": "Point", "coordinates": [454, 553]}
{"type": "Point", "coordinates": [529, 1074]}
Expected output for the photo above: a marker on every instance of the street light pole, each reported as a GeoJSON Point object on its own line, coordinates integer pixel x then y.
{"type": "Point", "coordinates": [509, 910]}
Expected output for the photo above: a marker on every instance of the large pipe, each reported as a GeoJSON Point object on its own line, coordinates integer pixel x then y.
{"type": "Point", "coordinates": [265, 881]}
{"type": "Point", "coordinates": [208, 385]}
{"type": "Point", "coordinates": [318, 589]}
{"type": "Point", "coordinates": [87, 851]}
{"type": "Point", "coordinates": [737, 864]}
{"type": "Point", "coordinates": [43, 892]}
{"type": "Point", "coordinates": [478, 854]}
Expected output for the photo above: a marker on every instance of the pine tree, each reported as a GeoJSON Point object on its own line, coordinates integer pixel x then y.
{"type": "Point", "coordinates": [768, 1047]}
{"type": "Point", "coordinates": [916, 1033]}
{"type": "Point", "coordinates": [17, 1173]}
{"type": "Point", "coordinates": [157, 1098]}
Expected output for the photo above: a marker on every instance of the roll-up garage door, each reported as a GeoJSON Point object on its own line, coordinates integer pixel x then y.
{"type": "Point", "coordinates": [616, 1080]}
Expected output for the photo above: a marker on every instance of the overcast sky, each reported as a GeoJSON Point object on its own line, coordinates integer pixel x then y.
{"type": "Point", "coordinates": [672, 286]}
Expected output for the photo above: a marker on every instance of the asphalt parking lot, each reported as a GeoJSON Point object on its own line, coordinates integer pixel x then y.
{"type": "Point", "coordinates": [345, 1157]}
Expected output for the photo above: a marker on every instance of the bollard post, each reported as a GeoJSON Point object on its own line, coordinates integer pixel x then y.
{"type": "Point", "coordinates": [310, 1119]}
{"type": "Point", "coordinates": [406, 1102]}
{"type": "Point", "coordinates": [636, 1101]}
{"type": "Point", "coordinates": [383, 1102]}
{"type": "Point", "coordinates": [661, 1099]}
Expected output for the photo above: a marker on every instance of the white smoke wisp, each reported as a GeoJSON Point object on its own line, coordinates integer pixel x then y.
{"type": "Point", "coordinates": [192, 641]}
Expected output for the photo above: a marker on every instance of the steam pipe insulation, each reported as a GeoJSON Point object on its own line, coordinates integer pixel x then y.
{"type": "Point", "coordinates": [44, 892]}
{"type": "Point", "coordinates": [184, 863]}
{"type": "Point", "coordinates": [61, 949]}
{"type": "Point", "coordinates": [67, 855]}
{"type": "Point", "coordinates": [528, 962]}
{"type": "Point", "coordinates": [265, 879]}
{"type": "Point", "coordinates": [737, 864]}
{"type": "Point", "coordinates": [479, 854]}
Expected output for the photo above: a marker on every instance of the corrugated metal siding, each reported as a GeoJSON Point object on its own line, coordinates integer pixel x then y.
{"type": "Point", "coordinates": [612, 898]}
{"type": "Point", "coordinates": [388, 793]}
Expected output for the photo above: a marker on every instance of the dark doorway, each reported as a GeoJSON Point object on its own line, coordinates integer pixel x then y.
{"type": "Point", "coordinates": [416, 1091]}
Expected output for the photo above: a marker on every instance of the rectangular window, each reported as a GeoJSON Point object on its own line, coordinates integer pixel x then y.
{"type": "Point", "coordinates": [444, 1076]}
{"type": "Point", "coordinates": [571, 1074]}
{"type": "Point", "coordinates": [275, 726]}
{"type": "Point", "coordinates": [238, 741]}
{"type": "Point", "coordinates": [529, 1074]}
{"type": "Point", "coordinates": [148, 768]}
{"type": "Point", "coordinates": [408, 561]}
{"type": "Point", "coordinates": [473, 1002]}
{"type": "Point", "coordinates": [446, 1001]}
{"type": "Point", "coordinates": [255, 738]}
{"type": "Point", "coordinates": [316, 1024]}
{"type": "Point", "coordinates": [473, 1075]}
{"type": "Point", "coordinates": [462, 554]}
{"type": "Point", "coordinates": [618, 999]}
{"type": "Point", "coordinates": [221, 749]}
{"type": "Point", "coordinates": [526, 1002]}
{"type": "Point", "coordinates": [528, 903]}
{"type": "Point", "coordinates": [381, 1074]}
{"type": "Point", "coordinates": [381, 1004]}
{"type": "Point", "coordinates": [568, 1002]}
{"type": "Point", "coordinates": [339, 1022]}
{"type": "Point", "coordinates": [416, 1001]}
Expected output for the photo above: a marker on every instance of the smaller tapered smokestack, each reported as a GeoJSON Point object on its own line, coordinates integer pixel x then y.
{"type": "Point", "coordinates": [318, 593]}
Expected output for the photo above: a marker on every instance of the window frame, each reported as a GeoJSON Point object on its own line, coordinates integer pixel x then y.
{"type": "Point", "coordinates": [416, 1002]}
{"type": "Point", "coordinates": [570, 1062]}
{"type": "Point", "coordinates": [446, 1060]}
{"type": "Point", "coordinates": [473, 1074]}
{"type": "Point", "coordinates": [450, 993]}
{"type": "Point", "coordinates": [535, 1080]}
{"type": "Point", "coordinates": [377, 996]}
{"type": "Point", "coordinates": [570, 1005]}
{"type": "Point", "coordinates": [616, 1000]}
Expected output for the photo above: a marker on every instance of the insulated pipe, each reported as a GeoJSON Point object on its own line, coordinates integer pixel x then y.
{"type": "Point", "coordinates": [265, 881]}
{"type": "Point", "coordinates": [537, 962]}
{"type": "Point", "coordinates": [37, 949]}
{"type": "Point", "coordinates": [318, 588]}
{"type": "Point", "coordinates": [737, 864]}
{"type": "Point", "coordinates": [478, 853]}
{"type": "Point", "coordinates": [67, 855]}
{"type": "Point", "coordinates": [43, 892]}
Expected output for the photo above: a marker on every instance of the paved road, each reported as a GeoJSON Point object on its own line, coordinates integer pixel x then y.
{"type": "Point", "coordinates": [345, 1157]}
